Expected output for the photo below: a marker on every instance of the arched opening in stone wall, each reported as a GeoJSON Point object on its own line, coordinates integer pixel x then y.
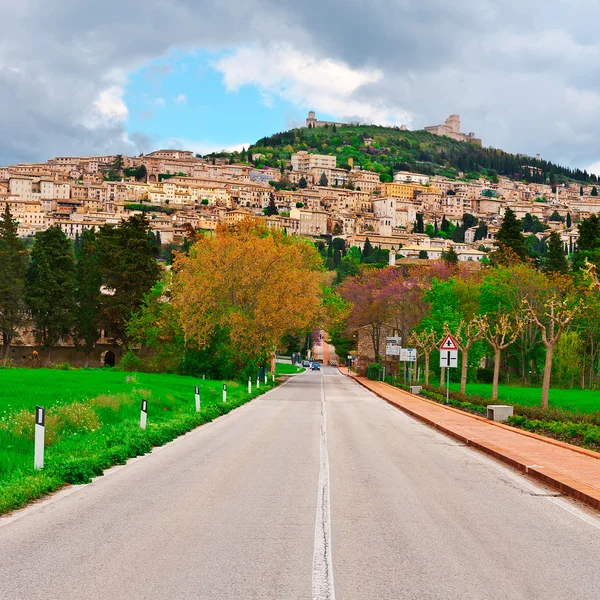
{"type": "Point", "coordinates": [109, 358]}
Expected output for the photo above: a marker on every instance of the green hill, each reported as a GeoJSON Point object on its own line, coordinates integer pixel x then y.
{"type": "Point", "coordinates": [388, 149]}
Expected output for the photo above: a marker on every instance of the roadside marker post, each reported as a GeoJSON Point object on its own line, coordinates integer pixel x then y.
{"type": "Point", "coordinates": [265, 371]}
{"type": "Point", "coordinates": [273, 375]}
{"type": "Point", "coordinates": [144, 414]}
{"type": "Point", "coordinates": [258, 380]}
{"type": "Point", "coordinates": [249, 385]}
{"type": "Point", "coordinates": [224, 392]}
{"type": "Point", "coordinates": [448, 360]}
{"type": "Point", "coordinates": [197, 394]}
{"type": "Point", "coordinates": [40, 433]}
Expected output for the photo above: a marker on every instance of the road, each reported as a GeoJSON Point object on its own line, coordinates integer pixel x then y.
{"type": "Point", "coordinates": [277, 500]}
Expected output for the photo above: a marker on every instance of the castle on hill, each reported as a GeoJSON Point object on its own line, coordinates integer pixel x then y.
{"type": "Point", "coordinates": [451, 129]}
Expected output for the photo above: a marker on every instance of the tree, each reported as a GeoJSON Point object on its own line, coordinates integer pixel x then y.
{"type": "Point", "coordinates": [499, 333]}
{"type": "Point", "coordinates": [450, 256]}
{"type": "Point", "coordinates": [88, 297]}
{"type": "Point", "coordinates": [419, 226]}
{"type": "Point", "coordinates": [141, 173]}
{"type": "Point", "coordinates": [323, 181]}
{"type": "Point", "coordinates": [129, 270]}
{"type": "Point", "coordinates": [469, 221]}
{"type": "Point", "coordinates": [445, 225]}
{"type": "Point", "coordinates": [247, 288]}
{"type": "Point", "coordinates": [568, 221]}
{"type": "Point", "coordinates": [13, 267]}
{"type": "Point", "coordinates": [50, 288]}
{"type": "Point", "coordinates": [594, 191]}
{"type": "Point", "coordinates": [510, 235]}
{"type": "Point", "coordinates": [581, 190]}
{"type": "Point", "coordinates": [272, 207]}
{"type": "Point", "coordinates": [555, 216]}
{"type": "Point", "coordinates": [367, 250]}
{"type": "Point", "coordinates": [423, 254]}
{"type": "Point", "coordinates": [302, 183]}
{"type": "Point", "coordinates": [551, 322]}
{"type": "Point", "coordinates": [555, 262]}
{"type": "Point", "coordinates": [427, 341]}
{"type": "Point", "coordinates": [337, 229]}
{"type": "Point", "coordinates": [117, 165]}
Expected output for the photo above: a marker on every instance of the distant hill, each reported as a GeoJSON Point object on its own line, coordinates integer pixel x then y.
{"type": "Point", "coordinates": [387, 150]}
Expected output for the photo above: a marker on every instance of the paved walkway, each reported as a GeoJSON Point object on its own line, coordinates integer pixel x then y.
{"type": "Point", "coordinates": [572, 470]}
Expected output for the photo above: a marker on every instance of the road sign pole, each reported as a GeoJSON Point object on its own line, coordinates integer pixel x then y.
{"type": "Point", "coordinates": [144, 414]}
{"type": "Point", "coordinates": [40, 432]}
{"type": "Point", "coordinates": [448, 383]}
{"type": "Point", "coordinates": [197, 394]}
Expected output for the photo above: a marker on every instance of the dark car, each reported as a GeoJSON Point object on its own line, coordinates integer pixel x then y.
{"type": "Point", "coordinates": [315, 366]}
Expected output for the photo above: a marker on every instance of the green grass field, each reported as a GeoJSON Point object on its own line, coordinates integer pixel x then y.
{"type": "Point", "coordinates": [92, 422]}
{"type": "Point", "coordinates": [586, 401]}
{"type": "Point", "coordinates": [287, 369]}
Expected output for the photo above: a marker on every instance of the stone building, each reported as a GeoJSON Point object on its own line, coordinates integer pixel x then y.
{"type": "Point", "coordinates": [312, 122]}
{"type": "Point", "coordinates": [451, 129]}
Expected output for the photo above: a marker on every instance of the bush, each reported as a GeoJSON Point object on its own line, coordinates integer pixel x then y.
{"type": "Point", "coordinates": [130, 362]}
{"type": "Point", "coordinates": [374, 371]}
{"type": "Point", "coordinates": [485, 375]}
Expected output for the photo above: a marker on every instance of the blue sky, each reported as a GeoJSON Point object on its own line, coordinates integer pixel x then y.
{"type": "Point", "coordinates": [184, 98]}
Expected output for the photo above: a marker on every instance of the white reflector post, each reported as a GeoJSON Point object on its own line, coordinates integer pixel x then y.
{"type": "Point", "coordinates": [249, 385]}
{"type": "Point", "coordinates": [197, 394]}
{"type": "Point", "coordinates": [265, 377]}
{"type": "Point", "coordinates": [224, 392]}
{"type": "Point", "coordinates": [144, 414]}
{"type": "Point", "coordinates": [40, 429]}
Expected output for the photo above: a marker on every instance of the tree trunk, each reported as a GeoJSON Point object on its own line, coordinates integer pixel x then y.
{"type": "Point", "coordinates": [547, 374]}
{"type": "Point", "coordinates": [443, 377]}
{"type": "Point", "coordinates": [5, 353]}
{"type": "Point", "coordinates": [523, 369]}
{"type": "Point", "coordinates": [87, 359]}
{"type": "Point", "coordinates": [49, 356]}
{"type": "Point", "coordinates": [496, 374]}
{"type": "Point", "coordinates": [463, 371]}
{"type": "Point", "coordinates": [427, 369]}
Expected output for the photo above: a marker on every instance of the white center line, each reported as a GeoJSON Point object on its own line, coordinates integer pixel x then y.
{"type": "Point", "coordinates": [322, 576]}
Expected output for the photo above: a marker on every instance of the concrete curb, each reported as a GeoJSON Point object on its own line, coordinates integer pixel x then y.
{"type": "Point", "coordinates": [570, 486]}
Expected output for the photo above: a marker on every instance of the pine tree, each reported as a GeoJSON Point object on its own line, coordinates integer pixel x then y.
{"type": "Point", "coordinates": [450, 256]}
{"type": "Point", "coordinates": [594, 191]}
{"type": "Point", "coordinates": [323, 182]}
{"type": "Point", "coordinates": [50, 287]}
{"type": "Point", "coordinates": [581, 190]}
{"type": "Point", "coordinates": [367, 249]}
{"type": "Point", "coordinates": [13, 267]}
{"type": "Point", "coordinates": [419, 225]}
{"type": "Point", "coordinates": [568, 220]}
{"type": "Point", "coordinates": [88, 280]}
{"type": "Point", "coordinates": [436, 230]}
{"type": "Point", "coordinates": [445, 226]}
{"type": "Point", "coordinates": [556, 261]}
{"type": "Point", "coordinates": [510, 235]}
{"type": "Point", "coordinates": [302, 183]}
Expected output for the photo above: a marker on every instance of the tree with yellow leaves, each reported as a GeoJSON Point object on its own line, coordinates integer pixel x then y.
{"type": "Point", "coordinates": [427, 341]}
{"type": "Point", "coordinates": [249, 286]}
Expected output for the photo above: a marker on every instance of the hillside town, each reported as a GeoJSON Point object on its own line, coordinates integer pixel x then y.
{"type": "Point", "coordinates": [180, 190]}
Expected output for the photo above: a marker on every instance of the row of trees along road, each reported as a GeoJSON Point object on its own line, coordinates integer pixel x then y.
{"type": "Point", "coordinates": [72, 291]}
{"type": "Point", "coordinates": [535, 323]}
{"type": "Point", "coordinates": [230, 302]}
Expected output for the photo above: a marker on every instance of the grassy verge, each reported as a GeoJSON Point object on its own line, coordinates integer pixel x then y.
{"type": "Point", "coordinates": [92, 422]}
{"type": "Point", "coordinates": [585, 401]}
{"type": "Point", "coordinates": [287, 369]}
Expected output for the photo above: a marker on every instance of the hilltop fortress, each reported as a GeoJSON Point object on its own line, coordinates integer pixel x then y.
{"type": "Point", "coordinates": [451, 129]}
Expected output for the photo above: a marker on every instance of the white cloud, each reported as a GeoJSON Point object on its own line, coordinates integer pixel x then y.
{"type": "Point", "coordinates": [110, 105]}
{"type": "Point", "coordinates": [323, 84]}
{"type": "Point", "coordinates": [181, 99]}
{"type": "Point", "coordinates": [159, 101]}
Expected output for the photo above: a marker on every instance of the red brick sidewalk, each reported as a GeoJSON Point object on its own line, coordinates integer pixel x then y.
{"type": "Point", "coordinates": [572, 470]}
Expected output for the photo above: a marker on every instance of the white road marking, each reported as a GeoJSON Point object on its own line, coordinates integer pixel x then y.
{"type": "Point", "coordinates": [322, 576]}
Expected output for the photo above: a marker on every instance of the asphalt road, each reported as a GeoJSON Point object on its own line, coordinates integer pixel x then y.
{"type": "Point", "coordinates": [282, 500]}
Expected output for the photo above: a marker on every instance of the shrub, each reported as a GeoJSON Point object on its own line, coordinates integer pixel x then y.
{"type": "Point", "coordinates": [374, 371]}
{"type": "Point", "coordinates": [485, 375]}
{"type": "Point", "coordinates": [130, 362]}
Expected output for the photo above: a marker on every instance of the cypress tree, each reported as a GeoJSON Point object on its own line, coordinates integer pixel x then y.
{"type": "Point", "coordinates": [581, 190]}
{"type": "Point", "coordinates": [511, 236]}
{"type": "Point", "coordinates": [445, 226]}
{"type": "Point", "coordinates": [272, 207]}
{"type": "Point", "coordinates": [367, 249]}
{"type": "Point", "coordinates": [568, 220]}
{"type": "Point", "coordinates": [594, 191]}
{"type": "Point", "coordinates": [555, 257]}
{"type": "Point", "coordinates": [419, 225]}
{"type": "Point", "coordinates": [50, 287]}
{"type": "Point", "coordinates": [13, 267]}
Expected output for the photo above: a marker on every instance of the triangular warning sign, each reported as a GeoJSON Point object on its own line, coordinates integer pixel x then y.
{"type": "Point", "coordinates": [448, 343]}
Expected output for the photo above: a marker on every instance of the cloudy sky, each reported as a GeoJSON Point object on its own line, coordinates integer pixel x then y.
{"type": "Point", "coordinates": [129, 76]}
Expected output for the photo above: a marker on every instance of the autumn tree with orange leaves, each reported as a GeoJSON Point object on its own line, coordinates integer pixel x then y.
{"type": "Point", "coordinates": [249, 287]}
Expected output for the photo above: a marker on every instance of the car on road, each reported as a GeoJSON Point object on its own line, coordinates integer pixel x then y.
{"type": "Point", "coordinates": [316, 366]}
{"type": "Point", "coordinates": [306, 363]}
